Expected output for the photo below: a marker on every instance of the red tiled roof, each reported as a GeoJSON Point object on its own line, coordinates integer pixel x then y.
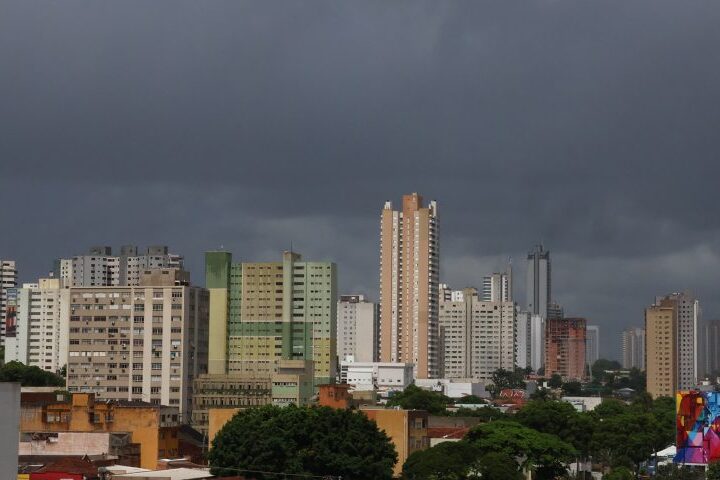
{"type": "Point", "coordinates": [81, 466]}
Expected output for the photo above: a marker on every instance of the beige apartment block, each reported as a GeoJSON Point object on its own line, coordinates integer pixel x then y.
{"type": "Point", "coordinates": [478, 337]}
{"type": "Point", "coordinates": [409, 269]}
{"type": "Point", "coordinates": [661, 349]}
{"type": "Point", "coordinates": [145, 342]}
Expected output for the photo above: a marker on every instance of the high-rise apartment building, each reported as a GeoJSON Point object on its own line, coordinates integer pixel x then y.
{"type": "Point", "coordinates": [497, 287]}
{"type": "Point", "coordinates": [39, 334]}
{"type": "Point", "coordinates": [478, 337]}
{"type": "Point", "coordinates": [565, 347]}
{"type": "Point", "coordinates": [661, 356]}
{"type": "Point", "coordinates": [633, 347]}
{"type": "Point", "coordinates": [99, 267]}
{"type": "Point", "coordinates": [710, 347]}
{"type": "Point", "coordinates": [683, 352]}
{"type": "Point", "coordinates": [592, 344]}
{"type": "Point", "coordinates": [144, 342]}
{"type": "Point", "coordinates": [529, 340]}
{"type": "Point", "coordinates": [539, 285]}
{"type": "Point", "coordinates": [8, 280]}
{"type": "Point", "coordinates": [409, 269]}
{"type": "Point", "coordinates": [267, 311]}
{"type": "Point", "coordinates": [358, 326]}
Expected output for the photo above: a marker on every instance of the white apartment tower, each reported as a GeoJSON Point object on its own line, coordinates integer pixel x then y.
{"type": "Point", "coordinates": [592, 344]}
{"type": "Point", "coordinates": [539, 286]}
{"type": "Point", "coordinates": [633, 347]}
{"type": "Point", "coordinates": [409, 269]}
{"type": "Point", "coordinates": [478, 337]}
{"type": "Point", "coordinates": [145, 342]}
{"type": "Point", "coordinates": [529, 339]}
{"type": "Point", "coordinates": [39, 336]}
{"type": "Point", "coordinates": [100, 268]}
{"type": "Point", "coordinates": [357, 329]}
{"type": "Point", "coordinates": [8, 280]}
{"type": "Point", "coordinates": [497, 287]}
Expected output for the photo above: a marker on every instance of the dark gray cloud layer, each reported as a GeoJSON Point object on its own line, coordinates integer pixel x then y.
{"type": "Point", "coordinates": [592, 126]}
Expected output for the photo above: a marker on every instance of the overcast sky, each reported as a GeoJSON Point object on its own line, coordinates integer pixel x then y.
{"type": "Point", "coordinates": [592, 126]}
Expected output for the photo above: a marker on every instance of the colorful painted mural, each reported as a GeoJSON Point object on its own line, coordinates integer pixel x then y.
{"type": "Point", "coordinates": [698, 427]}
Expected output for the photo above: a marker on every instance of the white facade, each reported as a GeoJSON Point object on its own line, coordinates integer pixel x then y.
{"type": "Point", "coordinates": [539, 285]}
{"type": "Point", "coordinates": [633, 346]}
{"type": "Point", "coordinates": [477, 337]}
{"type": "Point", "coordinates": [9, 429]}
{"type": "Point", "coordinates": [454, 388]}
{"type": "Point", "coordinates": [100, 268]}
{"type": "Point", "coordinates": [363, 376]}
{"type": "Point", "coordinates": [497, 287]}
{"type": "Point", "coordinates": [688, 316]}
{"type": "Point", "coordinates": [8, 280]}
{"type": "Point", "coordinates": [138, 343]}
{"type": "Point", "coordinates": [357, 329]}
{"type": "Point", "coordinates": [40, 336]}
{"type": "Point", "coordinates": [530, 340]}
{"type": "Point", "coordinates": [592, 344]}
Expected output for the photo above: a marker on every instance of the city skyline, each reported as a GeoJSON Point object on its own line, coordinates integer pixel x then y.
{"type": "Point", "coordinates": [233, 136]}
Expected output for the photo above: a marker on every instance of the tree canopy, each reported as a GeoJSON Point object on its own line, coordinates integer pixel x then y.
{"type": "Point", "coordinates": [29, 376]}
{"type": "Point", "coordinates": [415, 398]}
{"type": "Point", "coordinates": [444, 461]}
{"type": "Point", "coordinates": [302, 440]}
{"type": "Point", "coordinates": [502, 379]}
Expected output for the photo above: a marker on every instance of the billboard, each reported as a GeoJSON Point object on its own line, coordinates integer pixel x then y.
{"type": "Point", "coordinates": [698, 427]}
{"type": "Point", "coordinates": [11, 313]}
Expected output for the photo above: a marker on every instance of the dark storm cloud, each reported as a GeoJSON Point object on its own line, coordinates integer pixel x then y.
{"type": "Point", "coordinates": [590, 126]}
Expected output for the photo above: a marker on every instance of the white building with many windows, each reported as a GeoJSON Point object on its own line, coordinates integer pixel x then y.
{"type": "Point", "coordinates": [358, 326]}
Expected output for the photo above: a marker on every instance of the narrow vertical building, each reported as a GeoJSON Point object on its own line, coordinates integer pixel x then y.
{"type": "Point", "coordinates": [8, 280]}
{"type": "Point", "coordinates": [661, 356]}
{"type": "Point", "coordinates": [633, 348]}
{"type": "Point", "coordinates": [684, 351]}
{"type": "Point", "coordinates": [565, 347]}
{"type": "Point", "coordinates": [357, 329]}
{"type": "Point", "coordinates": [529, 340]}
{"type": "Point", "coordinates": [539, 284]}
{"type": "Point", "coordinates": [478, 337]}
{"type": "Point", "coordinates": [711, 347]}
{"type": "Point", "coordinates": [592, 344]}
{"type": "Point", "coordinates": [497, 287]}
{"type": "Point", "coordinates": [217, 281]}
{"type": "Point", "coordinates": [409, 269]}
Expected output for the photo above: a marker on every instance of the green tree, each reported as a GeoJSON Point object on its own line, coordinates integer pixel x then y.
{"type": "Point", "coordinates": [498, 466]}
{"type": "Point", "coordinates": [572, 388]}
{"type": "Point", "coordinates": [542, 452]}
{"type": "Point", "coordinates": [470, 399]}
{"type": "Point", "coordinates": [713, 471]}
{"type": "Point", "coordinates": [629, 437]}
{"type": "Point", "coordinates": [485, 414]}
{"type": "Point", "coordinates": [444, 461]}
{"type": "Point", "coordinates": [502, 379]}
{"type": "Point", "coordinates": [600, 366]}
{"type": "Point", "coordinates": [29, 376]}
{"type": "Point", "coordinates": [555, 381]}
{"type": "Point", "coordinates": [415, 398]}
{"type": "Point", "coordinates": [302, 440]}
{"type": "Point", "coordinates": [620, 473]}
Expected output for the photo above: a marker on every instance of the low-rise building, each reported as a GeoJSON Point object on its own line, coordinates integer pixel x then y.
{"type": "Point", "coordinates": [152, 427]}
{"type": "Point", "coordinates": [387, 376]}
{"type": "Point", "coordinates": [407, 429]}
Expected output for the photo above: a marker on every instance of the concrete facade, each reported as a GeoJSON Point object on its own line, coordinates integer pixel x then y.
{"type": "Point", "coordinates": [497, 287]}
{"type": "Point", "coordinates": [9, 428]}
{"type": "Point", "coordinates": [40, 334]}
{"type": "Point", "coordinates": [592, 344]}
{"type": "Point", "coordinates": [358, 325]}
{"type": "Point", "coordinates": [384, 376]}
{"type": "Point", "coordinates": [477, 337]}
{"type": "Point", "coordinates": [565, 348]}
{"type": "Point", "coordinates": [539, 282]}
{"type": "Point", "coordinates": [409, 270]}
{"type": "Point", "coordinates": [139, 343]}
{"type": "Point", "coordinates": [633, 348]}
{"type": "Point", "coordinates": [529, 340]}
{"type": "Point", "coordinates": [8, 280]}
{"type": "Point", "coordinates": [661, 355]}
{"type": "Point", "coordinates": [407, 429]}
{"type": "Point", "coordinates": [152, 427]}
{"type": "Point", "coordinates": [100, 268]}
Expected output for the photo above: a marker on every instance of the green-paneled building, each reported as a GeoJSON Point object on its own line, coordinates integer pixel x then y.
{"type": "Point", "coordinates": [261, 313]}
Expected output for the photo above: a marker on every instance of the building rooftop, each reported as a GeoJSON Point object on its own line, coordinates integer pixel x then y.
{"type": "Point", "coordinates": [172, 474]}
